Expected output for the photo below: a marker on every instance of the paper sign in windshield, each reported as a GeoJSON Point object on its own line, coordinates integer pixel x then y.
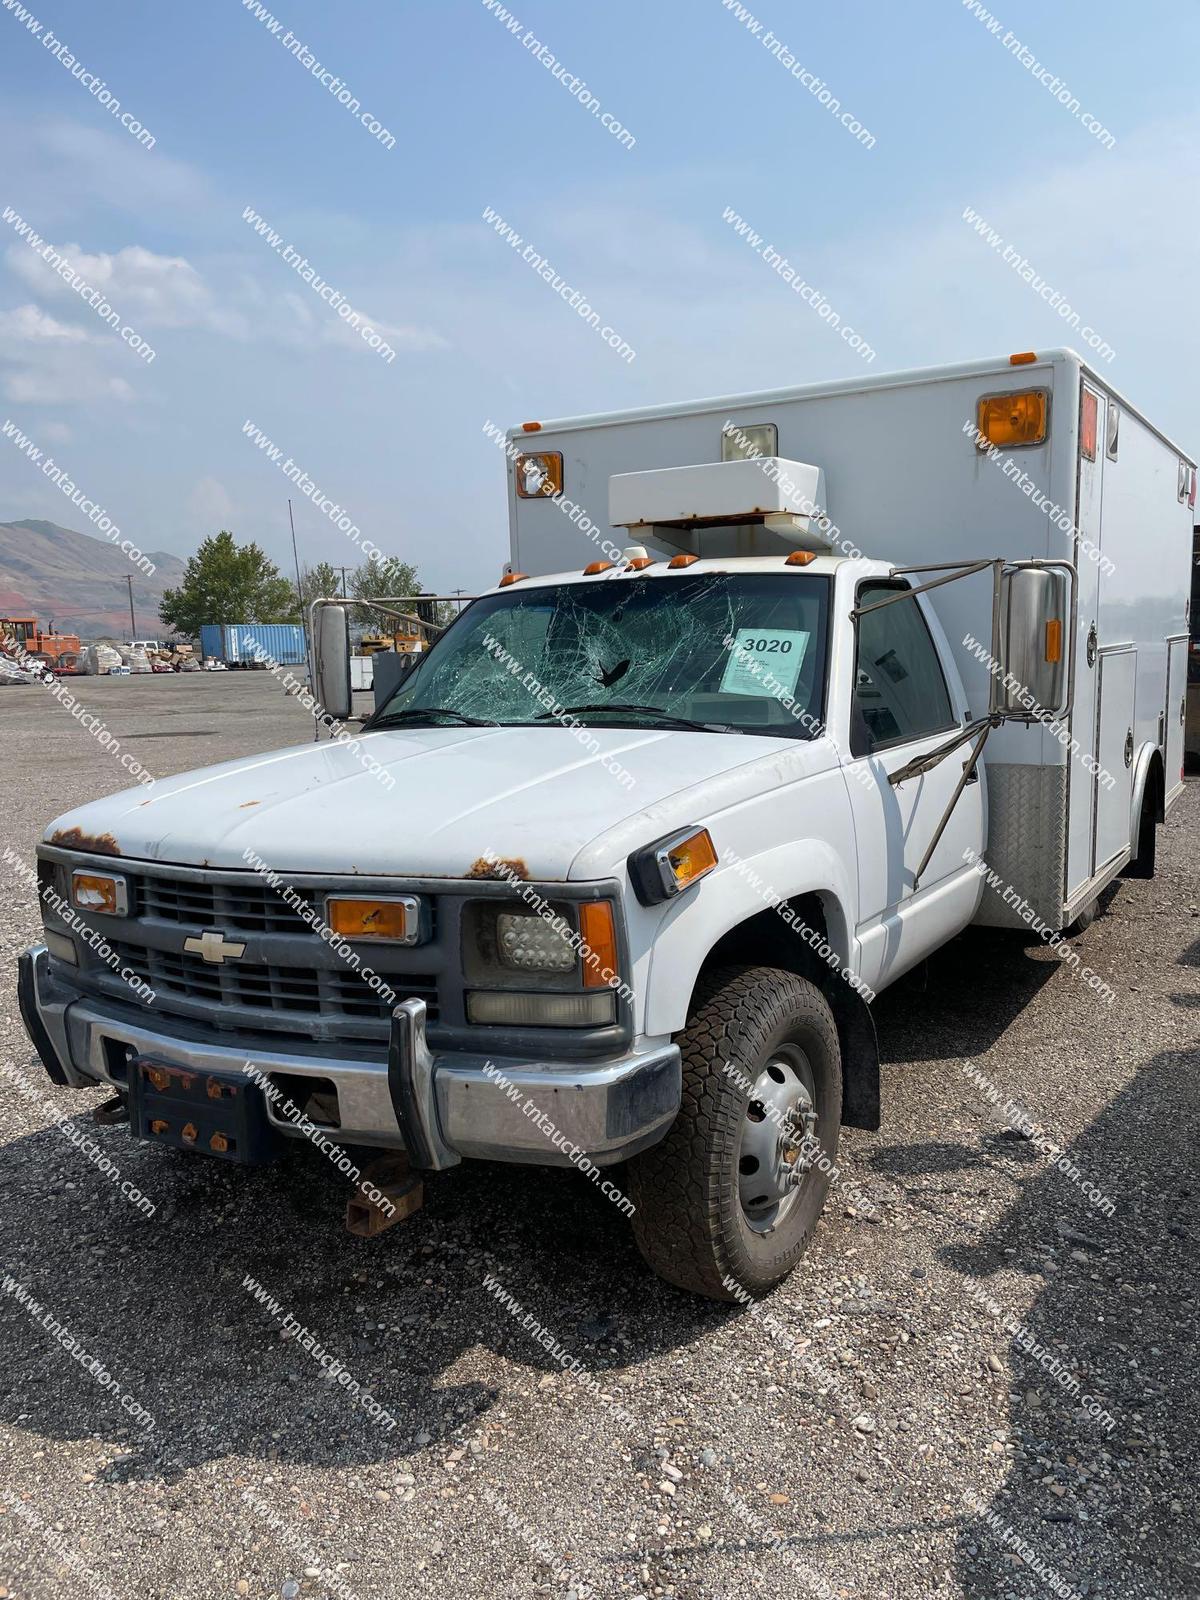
{"type": "Point", "coordinates": [765, 661]}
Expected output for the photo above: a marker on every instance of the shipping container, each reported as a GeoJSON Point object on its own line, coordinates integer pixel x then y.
{"type": "Point", "coordinates": [253, 644]}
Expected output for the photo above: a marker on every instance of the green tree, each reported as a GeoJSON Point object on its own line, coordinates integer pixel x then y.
{"type": "Point", "coordinates": [225, 582]}
{"type": "Point", "coordinates": [380, 576]}
{"type": "Point", "coordinates": [319, 583]}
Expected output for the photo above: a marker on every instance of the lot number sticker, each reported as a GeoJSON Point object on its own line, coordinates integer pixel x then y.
{"type": "Point", "coordinates": [765, 661]}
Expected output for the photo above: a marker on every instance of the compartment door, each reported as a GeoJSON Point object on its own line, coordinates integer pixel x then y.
{"type": "Point", "coordinates": [1113, 784]}
{"type": "Point", "coordinates": [1177, 665]}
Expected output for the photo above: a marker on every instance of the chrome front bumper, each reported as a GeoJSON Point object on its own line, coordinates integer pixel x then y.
{"type": "Point", "coordinates": [439, 1107]}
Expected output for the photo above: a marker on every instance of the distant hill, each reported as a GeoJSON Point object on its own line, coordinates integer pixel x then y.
{"type": "Point", "coordinates": [78, 580]}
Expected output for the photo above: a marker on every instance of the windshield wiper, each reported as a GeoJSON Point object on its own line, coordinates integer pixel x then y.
{"type": "Point", "coordinates": [626, 707]}
{"type": "Point", "coordinates": [391, 719]}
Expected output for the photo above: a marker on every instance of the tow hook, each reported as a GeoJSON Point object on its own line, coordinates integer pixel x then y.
{"type": "Point", "coordinates": [387, 1191]}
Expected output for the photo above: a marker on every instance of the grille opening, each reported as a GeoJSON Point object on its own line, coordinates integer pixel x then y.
{"type": "Point", "coordinates": [302, 991]}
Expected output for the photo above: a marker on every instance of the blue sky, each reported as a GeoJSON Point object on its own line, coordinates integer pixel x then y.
{"type": "Point", "coordinates": [478, 122]}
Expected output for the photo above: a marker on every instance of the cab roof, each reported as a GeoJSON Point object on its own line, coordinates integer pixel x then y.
{"type": "Point", "coordinates": [819, 566]}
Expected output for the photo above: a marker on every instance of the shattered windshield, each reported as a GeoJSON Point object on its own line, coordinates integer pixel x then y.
{"type": "Point", "coordinates": [724, 652]}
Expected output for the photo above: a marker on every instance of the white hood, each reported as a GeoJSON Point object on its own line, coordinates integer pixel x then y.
{"type": "Point", "coordinates": [534, 795]}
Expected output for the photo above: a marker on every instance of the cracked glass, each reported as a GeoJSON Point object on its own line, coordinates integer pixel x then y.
{"type": "Point", "coordinates": [726, 651]}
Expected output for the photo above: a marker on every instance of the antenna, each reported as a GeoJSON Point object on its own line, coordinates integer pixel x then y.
{"type": "Point", "coordinates": [308, 662]}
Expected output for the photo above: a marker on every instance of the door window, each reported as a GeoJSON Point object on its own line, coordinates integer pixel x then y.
{"type": "Point", "coordinates": [900, 689]}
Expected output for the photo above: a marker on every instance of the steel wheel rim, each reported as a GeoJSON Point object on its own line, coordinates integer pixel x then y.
{"type": "Point", "coordinates": [778, 1143]}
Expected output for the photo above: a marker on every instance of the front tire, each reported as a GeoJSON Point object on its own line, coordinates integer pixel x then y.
{"type": "Point", "coordinates": [729, 1200]}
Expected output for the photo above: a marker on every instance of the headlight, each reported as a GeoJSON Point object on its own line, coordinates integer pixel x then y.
{"type": "Point", "coordinates": [532, 944]}
{"type": "Point", "coordinates": [541, 1010]}
{"type": "Point", "coordinates": [540, 963]}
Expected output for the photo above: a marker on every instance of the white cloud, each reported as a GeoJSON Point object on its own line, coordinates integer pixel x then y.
{"type": "Point", "coordinates": [57, 388]}
{"type": "Point", "coordinates": [146, 290]}
{"type": "Point", "coordinates": [156, 291]}
{"type": "Point", "coordinates": [29, 324]}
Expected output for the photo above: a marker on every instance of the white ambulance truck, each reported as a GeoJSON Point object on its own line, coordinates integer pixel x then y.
{"type": "Point", "coordinates": [777, 695]}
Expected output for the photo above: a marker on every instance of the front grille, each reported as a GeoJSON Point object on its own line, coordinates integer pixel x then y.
{"type": "Point", "coordinates": [250, 908]}
{"type": "Point", "coordinates": [313, 991]}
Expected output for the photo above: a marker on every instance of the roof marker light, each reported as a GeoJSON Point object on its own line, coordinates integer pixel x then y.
{"type": "Point", "coordinates": [681, 561]}
{"type": "Point", "coordinates": [594, 567]}
{"type": "Point", "coordinates": [531, 427]}
{"type": "Point", "coordinates": [512, 577]}
{"type": "Point", "coordinates": [800, 558]}
{"type": "Point", "coordinates": [1020, 360]}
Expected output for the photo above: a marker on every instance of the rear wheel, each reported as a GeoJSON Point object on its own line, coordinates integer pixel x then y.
{"type": "Point", "coordinates": [729, 1200]}
{"type": "Point", "coordinates": [1083, 921]}
{"type": "Point", "coordinates": [1142, 865]}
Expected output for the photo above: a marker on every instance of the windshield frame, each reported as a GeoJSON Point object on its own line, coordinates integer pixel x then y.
{"type": "Point", "coordinates": [811, 724]}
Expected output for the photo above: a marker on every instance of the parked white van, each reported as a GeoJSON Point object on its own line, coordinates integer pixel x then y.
{"type": "Point", "coordinates": [777, 695]}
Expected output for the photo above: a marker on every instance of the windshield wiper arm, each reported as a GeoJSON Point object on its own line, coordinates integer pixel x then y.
{"type": "Point", "coordinates": [626, 706]}
{"type": "Point", "coordinates": [390, 719]}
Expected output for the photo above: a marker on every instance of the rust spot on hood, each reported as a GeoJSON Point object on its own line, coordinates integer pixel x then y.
{"type": "Point", "coordinates": [501, 867]}
{"type": "Point", "coordinates": [247, 803]}
{"type": "Point", "coordinates": [98, 844]}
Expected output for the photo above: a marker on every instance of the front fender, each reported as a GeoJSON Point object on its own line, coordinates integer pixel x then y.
{"type": "Point", "coordinates": [742, 887]}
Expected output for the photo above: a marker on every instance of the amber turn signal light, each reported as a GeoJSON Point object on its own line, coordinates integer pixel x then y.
{"type": "Point", "coordinates": [101, 892]}
{"type": "Point", "coordinates": [598, 937]}
{"type": "Point", "coordinates": [391, 919]}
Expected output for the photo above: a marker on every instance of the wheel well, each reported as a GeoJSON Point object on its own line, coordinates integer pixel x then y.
{"type": "Point", "coordinates": [1156, 785]}
{"type": "Point", "coordinates": [769, 939]}
{"type": "Point", "coordinates": [766, 940]}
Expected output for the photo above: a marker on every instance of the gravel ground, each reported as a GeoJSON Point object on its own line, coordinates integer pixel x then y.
{"type": "Point", "coordinates": [874, 1429]}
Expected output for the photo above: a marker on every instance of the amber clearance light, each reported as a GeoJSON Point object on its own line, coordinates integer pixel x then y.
{"type": "Point", "coordinates": [667, 868]}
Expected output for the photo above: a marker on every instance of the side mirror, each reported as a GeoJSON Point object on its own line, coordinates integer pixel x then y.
{"type": "Point", "coordinates": [1035, 620]}
{"type": "Point", "coordinates": [331, 660]}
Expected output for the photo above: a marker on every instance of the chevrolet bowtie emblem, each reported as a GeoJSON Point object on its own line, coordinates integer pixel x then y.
{"type": "Point", "coordinates": [213, 946]}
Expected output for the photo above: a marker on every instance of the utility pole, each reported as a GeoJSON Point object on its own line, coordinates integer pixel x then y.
{"type": "Point", "coordinates": [342, 570]}
{"type": "Point", "coordinates": [132, 623]}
